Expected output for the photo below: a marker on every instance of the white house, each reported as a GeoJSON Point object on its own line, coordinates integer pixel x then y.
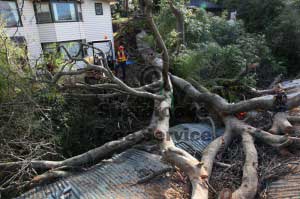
{"type": "Point", "coordinates": [43, 25]}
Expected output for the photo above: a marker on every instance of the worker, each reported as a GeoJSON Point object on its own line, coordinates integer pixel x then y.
{"type": "Point", "coordinates": [280, 101]}
{"type": "Point", "coordinates": [122, 58]}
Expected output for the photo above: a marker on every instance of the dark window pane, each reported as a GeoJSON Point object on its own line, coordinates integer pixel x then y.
{"type": "Point", "coordinates": [64, 11]}
{"type": "Point", "coordinates": [79, 12]}
{"type": "Point", "coordinates": [19, 40]}
{"type": "Point", "coordinates": [98, 9]}
{"type": "Point", "coordinates": [43, 13]}
{"type": "Point", "coordinates": [49, 48]}
{"type": "Point", "coordinates": [9, 13]}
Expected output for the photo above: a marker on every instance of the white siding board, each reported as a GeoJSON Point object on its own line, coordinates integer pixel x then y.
{"type": "Point", "coordinates": [47, 32]}
{"type": "Point", "coordinates": [56, 32]}
{"type": "Point", "coordinates": [69, 31]}
{"type": "Point", "coordinates": [97, 26]}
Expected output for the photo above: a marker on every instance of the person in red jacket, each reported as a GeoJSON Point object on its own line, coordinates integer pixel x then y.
{"type": "Point", "coordinates": [122, 58]}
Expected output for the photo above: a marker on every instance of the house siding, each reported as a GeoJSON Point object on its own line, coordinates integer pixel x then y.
{"type": "Point", "coordinates": [93, 28]}
{"type": "Point", "coordinates": [57, 32]}
{"type": "Point", "coordinates": [47, 32]}
{"type": "Point", "coordinates": [69, 31]}
{"type": "Point", "coordinates": [97, 27]}
{"type": "Point", "coordinates": [29, 30]}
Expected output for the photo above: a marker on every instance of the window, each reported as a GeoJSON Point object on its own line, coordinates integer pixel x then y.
{"type": "Point", "coordinates": [19, 40]}
{"type": "Point", "coordinates": [10, 13]}
{"type": "Point", "coordinates": [73, 47]}
{"type": "Point", "coordinates": [64, 12]}
{"type": "Point", "coordinates": [49, 12]}
{"type": "Point", "coordinates": [43, 14]}
{"type": "Point", "coordinates": [98, 9]}
{"type": "Point", "coordinates": [50, 48]}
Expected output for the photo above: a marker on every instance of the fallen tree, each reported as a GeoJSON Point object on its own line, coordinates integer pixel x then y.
{"type": "Point", "coordinates": [198, 171]}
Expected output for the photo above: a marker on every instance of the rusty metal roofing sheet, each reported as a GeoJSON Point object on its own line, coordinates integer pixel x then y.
{"type": "Point", "coordinates": [286, 188]}
{"type": "Point", "coordinates": [193, 137]}
{"type": "Point", "coordinates": [113, 179]}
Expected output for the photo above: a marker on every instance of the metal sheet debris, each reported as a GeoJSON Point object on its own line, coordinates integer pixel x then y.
{"type": "Point", "coordinates": [291, 83]}
{"type": "Point", "coordinates": [286, 188]}
{"type": "Point", "coordinates": [193, 137]}
{"type": "Point", "coordinates": [116, 178]}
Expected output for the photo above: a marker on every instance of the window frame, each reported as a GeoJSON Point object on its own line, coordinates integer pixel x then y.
{"type": "Point", "coordinates": [50, 4]}
{"type": "Point", "coordinates": [70, 2]}
{"type": "Point", "coordinates": [58, 50]}
{"type": "Point", "coordinates": [36, 13]}
{"type": "Point", "coordinates": [19, 22]}
{"type": "Point", "coordinates": [98, 3]}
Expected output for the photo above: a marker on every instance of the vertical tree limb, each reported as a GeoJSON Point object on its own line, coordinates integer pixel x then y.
{"type": "Point", "coordinates": [248, 188]}
{"type": "Point", "coordinates": [209, 154]}
{"type": "Point", "coordinates": [161, 44]}
{"type": "Point", "coordinates": [180, 29]}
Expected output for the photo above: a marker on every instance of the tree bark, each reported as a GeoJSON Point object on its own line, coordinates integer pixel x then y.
{"type": "Point", "coordinates": [91, 157]}
{"type": "Point", "coordinates": [180, 29]}
{"type": "Point", "coordinates": [161, 44]}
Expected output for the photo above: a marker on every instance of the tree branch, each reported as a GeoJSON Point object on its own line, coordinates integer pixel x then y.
{"type": "Point", "coordinates": [89, 157]}
{"type": "Point", "coordinates": [106, 71]}
{"type": "Point", "coordinates": [161, 44]}
{"type": "Point", "coordinates": [179, 24]}
{"type": "Point", "coordinates": [223, 107]}
{"type": "Point", "coordinates": [249, 184]}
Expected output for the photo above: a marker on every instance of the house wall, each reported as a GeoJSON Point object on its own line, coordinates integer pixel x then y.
{"type": "Point", "coordinates": [29, 30]}
{"type": "Point", "coordinates": [93, 28]}
{"type": "Point", "coordinates": [97, 27]}
{"type": "Point", "coordinates": [57, 32]}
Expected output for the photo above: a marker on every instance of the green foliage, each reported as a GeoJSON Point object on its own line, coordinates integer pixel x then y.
{"type": "Point", "coordinates": [257, 14]}
{"type": "Point", "coordinates": [210, 61]}
{"type": "Point", "coordinates": [279, 20]}
{"type": "Point", "coordinates": [203, 27]}
{"type": "Point", "coordinates": [217, 48]}
{"type": "Point", "coordinates": [283, 35]}
{"type": "Point", "coordinates": [14, 68]}
{"type": "Point", "coordinates": [150, 40]}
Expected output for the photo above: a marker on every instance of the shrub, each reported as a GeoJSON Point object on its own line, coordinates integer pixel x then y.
{"type": "Point", "coordinates": [283, 35]}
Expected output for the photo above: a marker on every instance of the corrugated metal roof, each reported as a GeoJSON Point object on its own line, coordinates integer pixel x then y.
{"type": "Point", "coordinates": [113, 179]}
{"type": "Point", "coordinates": [286, 188]}
{"type": "Point", "coordinates": [117, 177]}
{"type": "Point", "coordinates": [193, 137]}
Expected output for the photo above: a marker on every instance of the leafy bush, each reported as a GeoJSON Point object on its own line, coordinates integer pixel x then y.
{"type": "Point", "coordinates": [14, 68]}
{"type": "Point", "coordinates": [283, 35]}
{"type": "Point", "coordinates": [210, 61]}
{"type": "Point", "coordinates": [216, 47]}
{"type": "Point", "coordinates": [257, 14]}
{"type": "Point", "coordinates": [279, 20]}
